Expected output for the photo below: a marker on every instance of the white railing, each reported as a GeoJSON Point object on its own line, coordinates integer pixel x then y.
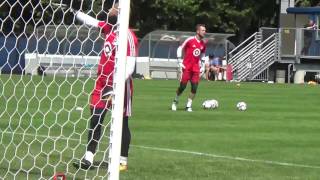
{"type": "Point", "coordinates": [242, 48]}
{"type": "Point", "coordinates": [252, 61]}
{"type": "Point", "coordinates": [260, 60]}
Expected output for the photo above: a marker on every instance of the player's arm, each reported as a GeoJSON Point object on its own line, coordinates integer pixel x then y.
{"type": "Point", "coordinates": [114, 10]}
{"type": "Point", "coordinates": [179, 56]}
{"type": "Point", "coordinates": [86, 19]}
{"type": "Point", "coordinates": [179, 53]}
{"type": "Point", "coordinates": [181, 48]}
{"type": "Point", "coordinates": [130, 65]}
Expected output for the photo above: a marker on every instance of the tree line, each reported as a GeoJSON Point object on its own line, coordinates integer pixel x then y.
{"type": "Point", "coordinates": [241, 17]}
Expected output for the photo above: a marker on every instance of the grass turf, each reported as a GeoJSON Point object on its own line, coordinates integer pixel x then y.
{"type": "Point", "coordinates": [281, 125]}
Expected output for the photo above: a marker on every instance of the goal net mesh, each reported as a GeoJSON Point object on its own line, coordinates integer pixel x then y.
{"type": "Point", "coordinates": [48, 70]}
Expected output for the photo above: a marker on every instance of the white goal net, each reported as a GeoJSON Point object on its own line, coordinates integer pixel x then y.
{"type": "Point", "coordinates": [48, 68]}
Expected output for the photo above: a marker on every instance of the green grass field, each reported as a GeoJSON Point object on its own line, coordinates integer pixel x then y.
{"type": "Point", "coordinates": [276, 138]}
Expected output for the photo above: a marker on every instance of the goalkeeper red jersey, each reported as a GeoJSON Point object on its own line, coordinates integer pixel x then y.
{"type": "Point", "coordinates": [193, 48]}
{"type": "Point", "coordinates": [107, 60]}
{"type": "Point", "coordinates": [106, 68]}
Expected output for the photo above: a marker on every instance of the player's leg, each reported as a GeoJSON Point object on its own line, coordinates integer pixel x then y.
{"type": "Point", "coordinates": [100, 99]}
{"type": "Point", "coordinates": [126, 135]}
{"type": "Point", "coordinates": [179, 91]}
{"type": "Point", "coordinates": [94, 134]}
{"type": "Point", "coordinates": [194, 86]}
{"type": "Point", "coordinates": [183, 84]}
{"type": "Point", "coordinates": [216, 72]}
{"type": "Point", "coordinates": [222, 70]}
{"type": "Point", "coordinates": [125, 143]}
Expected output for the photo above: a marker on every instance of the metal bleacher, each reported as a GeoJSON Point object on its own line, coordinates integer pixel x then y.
{"type": "Point", "coordinates": [252, 58]}
{"type": "Point", "coordinates": [292, 50]}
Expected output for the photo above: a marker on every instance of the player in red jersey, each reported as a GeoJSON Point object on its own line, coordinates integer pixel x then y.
{"type": "Point", "coordinates": [194, 50]}
{"type": "Point", "coordinates": [102, 93]}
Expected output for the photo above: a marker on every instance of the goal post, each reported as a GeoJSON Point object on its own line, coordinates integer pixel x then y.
{"type": "Point", "coordinates": [119, 87]}
{"type": "Point", "coordinates": [48, 69]}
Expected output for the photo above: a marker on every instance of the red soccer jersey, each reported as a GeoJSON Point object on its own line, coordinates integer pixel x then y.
{"type": "Point", "coordinates": [193, 48]}
{"type": "Point", "coordinates": [106, 64]}
{"type": "Point", "coordinates": [106, 68]}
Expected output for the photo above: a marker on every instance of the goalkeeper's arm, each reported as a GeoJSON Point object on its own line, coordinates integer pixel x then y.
{"type": "Point", "coordinates": [179, 56]}
{"type": "Point", "coordinates": [130, 65]}
{"type": "Point", "coordinates": [179, 52]}
{"type": "Point", "coordinates": [86, 19]}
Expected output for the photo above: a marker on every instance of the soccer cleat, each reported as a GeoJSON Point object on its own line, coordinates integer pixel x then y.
{"type": "Point", "coordinates": [189, 109]}
{"type": "Point", "coordinates": [123, 167]}
{"type": "Point", "coordinates": [174, 106]}
{"type": "Point", "coordinates": [83, 164]}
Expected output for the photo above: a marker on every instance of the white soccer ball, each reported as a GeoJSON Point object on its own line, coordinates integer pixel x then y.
{"type": "Point", "coordinates": [210, 104]}
{"type": "Point", "coordinates": [241, 106]}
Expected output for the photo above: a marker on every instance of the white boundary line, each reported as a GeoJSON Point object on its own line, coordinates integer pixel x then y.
{"type": "Point", "coordinates": [185, 152]}
{"type": "Point", "coordinates": [227, 157]}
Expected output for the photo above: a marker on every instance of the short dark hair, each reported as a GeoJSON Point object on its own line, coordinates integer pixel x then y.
{"type": "Point", "coordinates": [211, 55]}
{"type": "Point", "coordinates": [200, 25]}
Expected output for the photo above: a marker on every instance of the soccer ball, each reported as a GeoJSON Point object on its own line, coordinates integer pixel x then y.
{"type": "Point", "coordinates": [210, 104]}
{"type": "Point", "coordinates": [241, 106]}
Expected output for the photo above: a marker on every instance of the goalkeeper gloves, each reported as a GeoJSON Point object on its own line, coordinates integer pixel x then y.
{"type": "Point", "coordinates": [180, 64]}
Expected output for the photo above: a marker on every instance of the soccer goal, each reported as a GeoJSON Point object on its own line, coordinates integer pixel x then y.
{"type": "Point", "coordinates": [47, 73]}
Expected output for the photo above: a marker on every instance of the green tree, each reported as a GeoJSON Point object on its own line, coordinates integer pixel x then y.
{"type": "Point", "coordinates": [242, 17]}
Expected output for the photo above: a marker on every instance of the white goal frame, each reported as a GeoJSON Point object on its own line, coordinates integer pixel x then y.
{"type": "Point", "coordinates": [119, 87]}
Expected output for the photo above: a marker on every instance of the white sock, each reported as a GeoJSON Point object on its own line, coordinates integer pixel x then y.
{"type": "Point", "coordinates": [89, 156]}
{"type": "Point", "coordinates": [176, 99]}
{"type": "Point", "coordinates": [123, 160]}
{"type": "Point", "coordinates": [189, 103]}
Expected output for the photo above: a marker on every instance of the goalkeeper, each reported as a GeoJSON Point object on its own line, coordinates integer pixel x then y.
{"type": "Point", "coordinates": [194, 50]}
{"type": "Point", "coordinates": [102, 93]}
